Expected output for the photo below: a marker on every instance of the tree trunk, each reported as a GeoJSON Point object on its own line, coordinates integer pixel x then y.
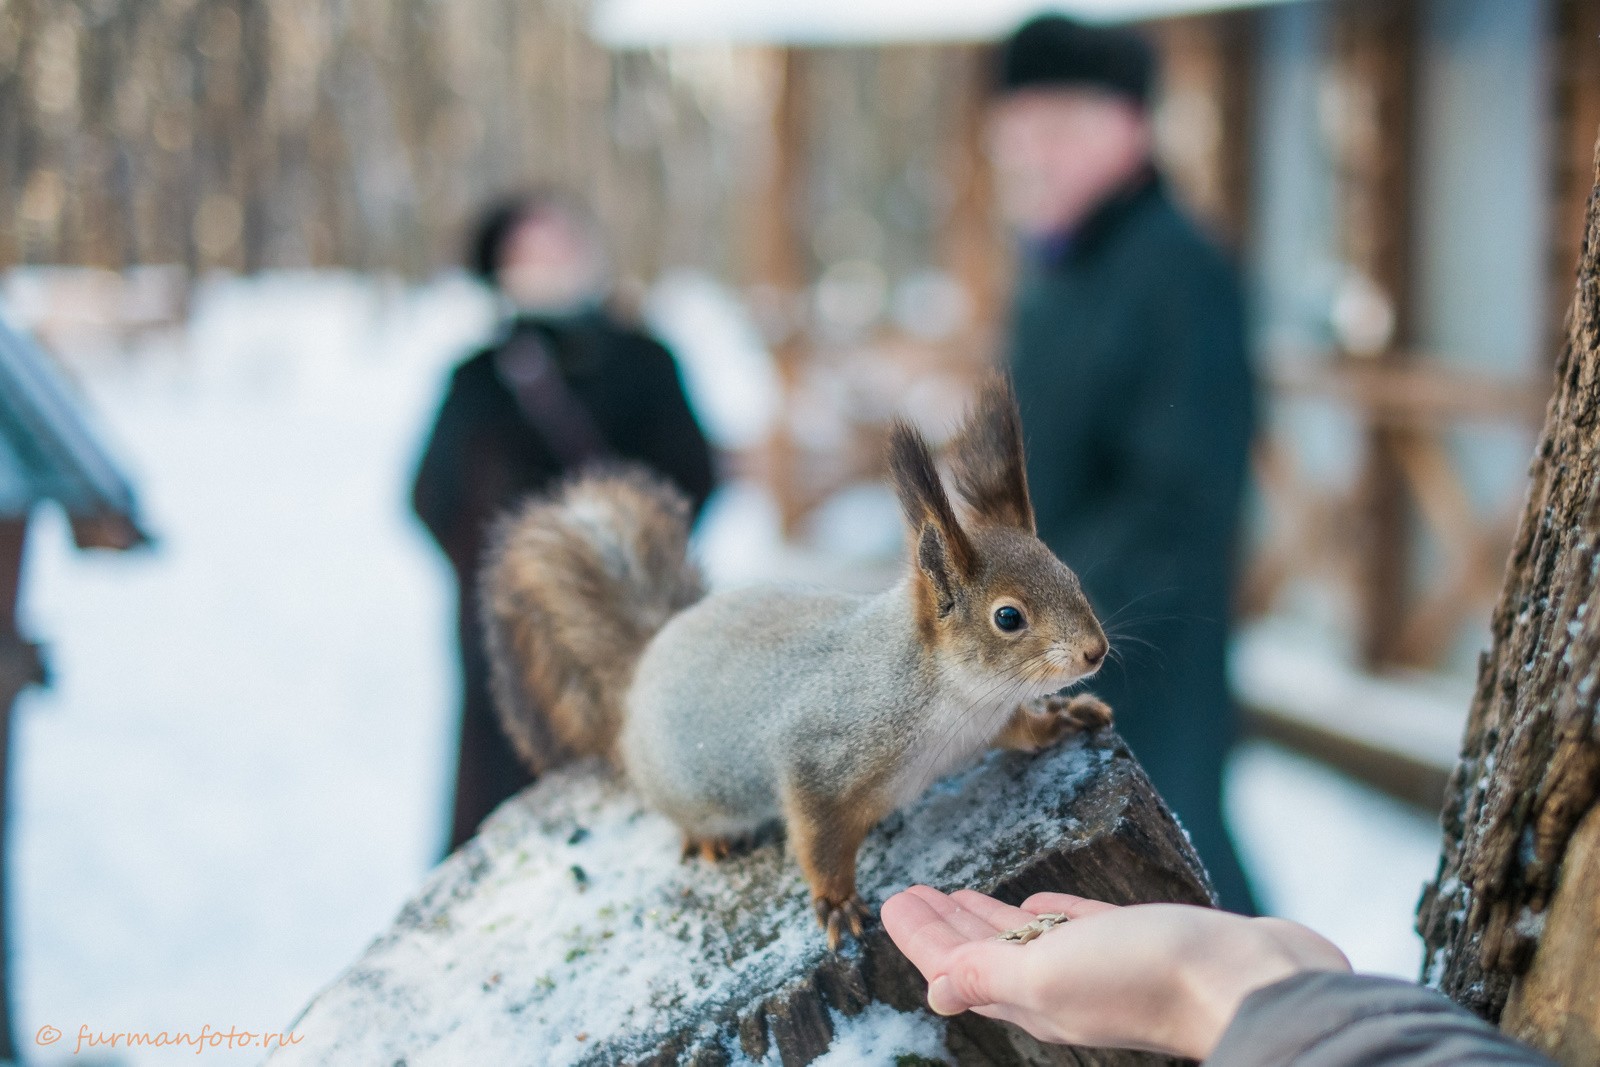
{"type": "Point", "coordinates": [1500, 918]}
{"type": "Point", "coordinates": [567, 931]}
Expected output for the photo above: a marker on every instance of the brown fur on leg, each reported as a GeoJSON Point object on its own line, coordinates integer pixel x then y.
{"type": "Point", "coordinates": [1041, 723]}
{"type": "Point", "coordinates": [826, 833]}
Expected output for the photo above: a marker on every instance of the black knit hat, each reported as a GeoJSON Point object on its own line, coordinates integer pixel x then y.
{"type": "Point", "coordinates": [1053, 50]}
{"type": "Point", "coordinates": [486, 244]}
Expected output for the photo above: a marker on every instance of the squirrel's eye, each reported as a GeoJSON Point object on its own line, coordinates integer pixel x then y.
{"type": "Point", "coordinates": [1008, 618]}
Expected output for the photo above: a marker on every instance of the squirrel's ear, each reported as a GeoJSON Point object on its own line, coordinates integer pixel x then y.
{"type": "Point", "coordinates": [943, 552]}
{"type": "Point", "coordinates": [938, 571]}
{"type": "Point", "coordinates": [986, 459]}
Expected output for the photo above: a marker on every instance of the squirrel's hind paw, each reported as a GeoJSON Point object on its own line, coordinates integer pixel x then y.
{"type": "Point", "coordinates": [835, 916]}
{"type": "Point", "coordinates": [715, 849]}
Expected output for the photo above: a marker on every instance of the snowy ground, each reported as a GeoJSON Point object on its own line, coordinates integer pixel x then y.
{"type": "Point", "coordinates": [241, 770]}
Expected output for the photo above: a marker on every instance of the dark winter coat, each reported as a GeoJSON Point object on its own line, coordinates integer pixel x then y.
{"type": "Point", "coordinates": [1128, 350]}
{"type": "Point", "coordinates": [1324, 1019]}
{"type": "Point", "coordinates": [485, 454]}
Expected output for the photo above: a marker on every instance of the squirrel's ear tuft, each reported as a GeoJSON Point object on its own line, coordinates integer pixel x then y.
{"type": "Point", "coordinates": [943, 552]}
{"type": "Point", "coordinates": [986, 459]}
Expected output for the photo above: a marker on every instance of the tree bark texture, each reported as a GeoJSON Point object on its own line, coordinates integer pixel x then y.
{"type": "Point", "coordinates": [1529, 772]}
{"type": "Point", "coordinates": [568, 931]}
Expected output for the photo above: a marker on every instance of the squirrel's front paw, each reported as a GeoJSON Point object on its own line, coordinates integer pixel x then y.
{"type": "Point", "coordinates": [1083, 711]}
{"type": "Point", "coordinates": [1041, 723]}
{"type": "Point", "coordinates": [835, 916]}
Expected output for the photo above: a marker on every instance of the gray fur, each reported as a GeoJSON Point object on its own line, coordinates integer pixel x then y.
{"type": "Point", "coordinates": [755, 689]}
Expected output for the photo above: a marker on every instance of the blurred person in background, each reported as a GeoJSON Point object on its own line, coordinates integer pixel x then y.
{"type": "Point", "coordinates": [566, 383]}
{"type": "Point", "coordinates": [1128, 351]}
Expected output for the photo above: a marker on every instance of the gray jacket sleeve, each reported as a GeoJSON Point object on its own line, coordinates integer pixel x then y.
{"type": "Point", "coordinates": [1326, 1019]}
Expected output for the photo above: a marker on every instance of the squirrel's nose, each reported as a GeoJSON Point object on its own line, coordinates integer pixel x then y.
{"type": "Point", "coordinates": [1095, 654]}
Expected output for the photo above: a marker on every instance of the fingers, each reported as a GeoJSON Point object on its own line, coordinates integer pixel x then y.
{"type": "Point", "coordinates": [950, 940]}
{"type": "Point", "coordinates": [1072, 907]}
{"type": "Point", "coordinates": [1000, 917]}
{"type": "Point", "coordinates": [921, 932]}
{"type": "Point", "coordinates": [973, 926]}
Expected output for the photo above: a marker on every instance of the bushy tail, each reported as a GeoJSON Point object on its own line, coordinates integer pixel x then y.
{"type": "Point", "coordinates": [575, 586]}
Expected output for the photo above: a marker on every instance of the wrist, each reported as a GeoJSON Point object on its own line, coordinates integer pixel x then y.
{"type": "Point", "coordinates": [1214, 983]}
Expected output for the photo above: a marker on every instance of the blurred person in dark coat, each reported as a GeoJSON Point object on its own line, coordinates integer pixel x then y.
{"type": "Point", "coordinates": [1128, 350]}
{"type": "Point", "coordinates": [565, 383]}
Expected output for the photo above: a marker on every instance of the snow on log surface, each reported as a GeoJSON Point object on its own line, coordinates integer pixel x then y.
{"type": "Point", "coordinates": [569, 931]}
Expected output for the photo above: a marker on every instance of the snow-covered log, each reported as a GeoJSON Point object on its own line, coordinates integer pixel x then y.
{"type": "Point", "coordinates": [570, 932]}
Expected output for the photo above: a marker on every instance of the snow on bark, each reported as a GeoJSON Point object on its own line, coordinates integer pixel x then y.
{"type": "Point", "coordinates": [569, 931]}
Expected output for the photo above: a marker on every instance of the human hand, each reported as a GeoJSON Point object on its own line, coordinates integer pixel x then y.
{"type": "Point", "coordinates": [1159, 977]}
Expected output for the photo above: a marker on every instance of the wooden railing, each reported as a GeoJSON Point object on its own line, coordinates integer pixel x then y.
{"type": "Point", "coordinates": [1326, 534]}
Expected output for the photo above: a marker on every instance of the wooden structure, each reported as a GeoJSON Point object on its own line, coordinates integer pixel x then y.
{"type": "Point", "coordinates": [1406, 546]}
{"type": "Point", "coordinates": [46, 454]}
{"type": "Point", "coordinates": [1412, 499]}
{"type": "Point", "coordinates": [961, 239]}
{"type": "Point", "coordinates": [515, 949]}
{"type": "Point", "coordinates": [1511, 920]}
{"type": "Point", "coordinates": [374, 128]}
{"type": "Point", "coordinates": [1408, 407]}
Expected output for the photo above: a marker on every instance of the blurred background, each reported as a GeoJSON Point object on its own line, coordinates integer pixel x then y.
{"type": "Point", "coordinates": [234, 226]}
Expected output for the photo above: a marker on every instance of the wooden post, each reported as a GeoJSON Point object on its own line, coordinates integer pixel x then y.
{"type": "Point", "coordinates": [1238, 46]}
{"type": "Point", "coordinates": [1556, 1004]}
{"type": "Point", "coordinates": [1207, 114]}
{"type": "Point", "coordinates": [780, 267]}
{"type": "Point", "coordinates": [1375, 47]}
{"type": "Point", "coordinates": [972, 247]}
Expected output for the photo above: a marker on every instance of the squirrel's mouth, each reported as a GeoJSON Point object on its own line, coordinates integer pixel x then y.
{"type": "Point", "coordinates": [1064, 671]}
{"type": "Point", "coordinates": [1057, 680]}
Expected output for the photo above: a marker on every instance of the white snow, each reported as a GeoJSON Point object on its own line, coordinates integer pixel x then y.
{"type": "Point", "coordinates": [510, 954]}
{"type": "Point", "coordinates": [241, 771]}
{"type": "Point", "coordinates": [645, 23]}
{"type": "Point", "coordinates": [724, 361]}
{"type": "Point", "coordinates": [238, 775]}
{"type": "Point", "coordinates": [1334, 855]}
{"type": "Point", "coordinates": [879, 1034]}
{"type": "Point", "coordinates": [1419, 716]}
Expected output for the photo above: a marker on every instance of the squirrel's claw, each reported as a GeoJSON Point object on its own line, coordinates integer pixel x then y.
{"type": "Point", "coordinates": [835, 916]}
{"type": "Point", "coordinates": [1063, 716]}
{"type": "Point", "coordinates": [1041, 723]}
{"type": "Point", "coordinates": [713, 849]}
{"type": "Point", "coordinates": [1082, 710]}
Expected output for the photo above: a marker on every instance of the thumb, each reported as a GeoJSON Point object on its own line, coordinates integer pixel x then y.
{"type": "Point", "coordinates": [943, 998]}
{"type": "Point", "coordinates": [975, 978]}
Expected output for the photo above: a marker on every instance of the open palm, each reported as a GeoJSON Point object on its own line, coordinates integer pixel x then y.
{"type": "Point", "coordinates": [1161, 977]}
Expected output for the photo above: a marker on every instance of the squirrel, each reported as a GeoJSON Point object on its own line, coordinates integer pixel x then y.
{"type": "Point", "coordinates": [826, 710]}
